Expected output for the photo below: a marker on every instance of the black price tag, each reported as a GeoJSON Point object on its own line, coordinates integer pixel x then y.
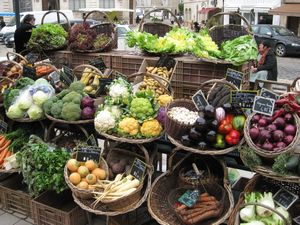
{"type": "Point", "coordinates": [199, 100]}
{"type": "Point", "coordinates": [263, 105]}
{"type": "Point", "coordinates": [297, 220]}
{"type": "Point", "coordinates": [88, 152]}
{"type": "Point", "coordinates": [103, 83]}
{"type": "Point", "coordinates": [138, 169]}
{"type": "Point", "coordinates": [268, 94]}
{"type": "Point", "coordinates": [29, 72]}
{"type": "Point", "coordinates": [242, 98]}
{"type": "Point", "coordinates": [234, 77]}
{"type": "Point", "coordinates": [3, 127]}
{"type": "Point", "coordinates": [66, 75]}
{"type": "Point", "coordinates": [285, 198]}
{"type": "Point", "coordinates": [189, 198]}
{"type": "Point", "coordinates": [92, 141]}
{"type": "Point", "coordinates": [98, 63]}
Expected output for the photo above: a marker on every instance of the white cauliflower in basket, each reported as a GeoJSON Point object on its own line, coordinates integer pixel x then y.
{"type": "Point", "coordinates": [104, 121]}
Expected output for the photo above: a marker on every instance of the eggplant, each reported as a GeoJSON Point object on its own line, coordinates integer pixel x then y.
{"type": "Point", "coordinates": [201, 124]}
{"type": "Point", "coordinates": [209, 112]}
{"type": "Point", "coordinates": [202, 145]}
{"type": "Point", "coordinates": [186, 141]}
{"type": "Point", "coordinates": [195, 135]}
{"type": "Point", "coordinates": [214, 125]}
{"type": "Point", "coordinates": [211, 137]}
{"type": "Point", "coordinates": [227, 107]}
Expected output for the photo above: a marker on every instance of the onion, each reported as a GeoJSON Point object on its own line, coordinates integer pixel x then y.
{"type": "Point", "coordinates": [271, 127]}
{"type": "Point", "coordinates": [279, 122]}
{"type": "Point", "coordinates": [288, 139]}
{"type": "Point", "coordinates": [267, 146]}
{"type": "Point", "coordinates": [254, 133]}
{"type": "Point", "coordinates": [255, 118]}
{"type": "Point", "coordinates": [262, 123]}
{"type": "Point", "coordinates": [288, 118]}
{"type": "Point", "coordinates": [280, 145]}
{"type": "Point", "coordinates": [278, 135]}
{"type": "Point", "coordinates": [264, 135]}
{"type": "Point", "coordinates": [268, 119]}
{"type": "Point", "coordinates": [290, 130]}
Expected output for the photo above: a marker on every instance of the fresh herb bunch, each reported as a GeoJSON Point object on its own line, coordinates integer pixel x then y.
{"type": "Point", "coordinates": [81, 37]}
{"type": "Point", "coordinates": [250, 158]}
{"type": "Point", "coordinates": [42, 166]}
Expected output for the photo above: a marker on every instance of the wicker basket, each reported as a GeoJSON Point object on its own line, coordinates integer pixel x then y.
{"type": "Point", "coordinates": [6, 65]}
{"type": "Point", "coordinates": [81, 193]}
{"type": "Point", "coordinates": [155, 27]}
{"type": "Point", "coordinates": [16, 57]}
{"type": "Point", "coordinates": [69, 122]}
{"type": "Point", "coordinates": [51, 67]}
{"type": "Point", "coordinates": [261, 184]}
{"type": "Point", "coordinates": [220, 33]}
{"type": "Point", "coordinates": [65, 25]}
{"type": "Point", "coordinates": [127, 203]}
{"type": "Point", "coordinates": [8, 81]}
{"type": "Point", "coordinates": [158, 205]}
{"type": "Point", "coordinates": [270, 154]}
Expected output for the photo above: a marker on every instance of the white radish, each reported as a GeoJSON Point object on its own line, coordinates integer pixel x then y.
{"type": "Point", "coordinates": [132, 184]}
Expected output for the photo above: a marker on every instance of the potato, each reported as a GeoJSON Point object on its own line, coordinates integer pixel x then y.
{"type": "Point", "coordinates": [14, 69]}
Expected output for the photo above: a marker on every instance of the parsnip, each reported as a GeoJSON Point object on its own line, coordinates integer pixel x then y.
{"type": "Point", "coordinates": [132, 184]}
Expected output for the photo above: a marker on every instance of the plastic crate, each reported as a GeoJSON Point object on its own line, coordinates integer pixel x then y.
{"type": "Point", "coordinates": [60, 58]}
{"type": "Point", "coordinates": [14, 196]}
{"type": "Point", "coordinates": [126, 64]}
{"type": "Point", "coordinates": [84, 58]}
{"type": "Point", "coordinates": [57, 209]}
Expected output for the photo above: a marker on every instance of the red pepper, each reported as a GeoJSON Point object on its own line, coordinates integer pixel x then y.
{"type": "Point", "coordinates": [233, 138]}
{"type": "Point", "coordinates": [229, 118]}
{"type": "Point", "coordinates": [225, 127]}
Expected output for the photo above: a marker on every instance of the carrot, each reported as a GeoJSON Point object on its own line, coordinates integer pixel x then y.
{"type": "Point", "coordinates": [206, 204]}
{"type": "Point", "coordinates": [205, 194]}
{"type": "Point", "coordinates": [9, 153]}
{"type": "Point", "coordinates": [200, 211]}
{"type": "Point", "coordinates": [183, 206]}
{"type": "Point", "coordinates": [206, 198]}
{"type": "Point", "coordinates": [7, 143]}
{"type": "Point", "coordinates": [203, 216]}
{"type": "Point", "coordinates": [2, 155]}
{"type": "Point", "coordinates": [2, 141]}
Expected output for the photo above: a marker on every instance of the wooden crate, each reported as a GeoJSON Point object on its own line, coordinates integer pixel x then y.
{"type": "Point", "coordinates": [126, 64]}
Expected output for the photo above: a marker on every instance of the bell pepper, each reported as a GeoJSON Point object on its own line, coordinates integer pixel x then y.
{"type": "Point", "coordinates": [220, 141]}
{"type": "Point", "coordinates": [238, 122]}
{"type": "Point", "coordinates": [225, 127]}
{"type": "Point", "coordinates": [229, 118]}
{"type": "Point", "coordinates": [233, 137]}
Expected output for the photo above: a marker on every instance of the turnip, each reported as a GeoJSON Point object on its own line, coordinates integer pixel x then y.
{"type": "Point", "coordinates": [290, 130]}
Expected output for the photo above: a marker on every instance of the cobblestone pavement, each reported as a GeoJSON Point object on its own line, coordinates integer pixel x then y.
{"type": "Point", "coordinates": [288, 67]}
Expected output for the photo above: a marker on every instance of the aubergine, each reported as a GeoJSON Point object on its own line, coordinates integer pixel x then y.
{"type": "Point", "coordinates": [186, 141]}
{"type": "Point", "coordinates": [227, 107]}
{"type": "Point", "coordinates": [213, 125]}
{"type": "Point", "coordinates": [194, 135]}
{"type": "Point", "coordinates": [209, 112]}
{"type": "Point", "coordinates": [211, 137]}
{"type": "Point", "coordinates": [201, 124]}
{"type": "Point", "coordinates": [202, 145]}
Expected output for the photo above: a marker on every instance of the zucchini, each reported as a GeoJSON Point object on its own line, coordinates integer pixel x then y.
{"type": "Point", "coordinates": [292, 163]}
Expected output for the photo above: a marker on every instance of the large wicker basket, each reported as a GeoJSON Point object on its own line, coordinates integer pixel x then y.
{"type": "Point", "coordinates": [270, 154]}
{"type": "Point", "coordinates": [8, 82]}
{"type": "Point", "coordinates": [260, 184]}
{"type": "Point", "coordinates": [158, 205]}
{"type": "Point", "coordinates": [66, 25]}
{"type": "Point", "coordinates": [13, 56]}
{"type": "Point", "coordinates": [128, 203]}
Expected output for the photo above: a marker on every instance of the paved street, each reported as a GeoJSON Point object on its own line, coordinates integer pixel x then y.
{"type": "Point", "coordinates": [288, 67]}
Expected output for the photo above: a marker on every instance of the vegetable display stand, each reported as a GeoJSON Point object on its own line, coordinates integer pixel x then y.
{"type": "Point", "coordinates": [160, 208]}
{"type": "Point", "coordinates": [15, 197]}
{"type": "Point", "coordinates": [57, 209]}
{"type": "Point", "coordinates": [259, 183]}
{"type": "Point", "coordinates": [126, 203]}
{"type": "Point", "coordinates": [220, 33]}
{"type": "Point", "coordinates": [158, 28]}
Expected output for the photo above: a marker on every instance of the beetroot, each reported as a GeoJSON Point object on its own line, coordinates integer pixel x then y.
{"type": "Point", "coordinates": [280, 123]}
{"type": "Point", "coordinates": [267, 146]}
{"type": "Point", "coordinates": [254, 133]}
{"type": "Point", "coordinates": [278, 135]}
{"type": "Point", "coordinates": [271, 127]}
{"type": "Point", "coordinates": [288, 139]}
{"type": "Point", "coordinates": [255, 118]}
{"type": "Point", "coordinates": [290, 130]}
{"type": "Point", "coordinates": [288, 118]}
{"type": "Point", "coordinates": [262, 122]}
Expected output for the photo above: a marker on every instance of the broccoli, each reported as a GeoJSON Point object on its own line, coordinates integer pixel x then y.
{"type": "Point", "coordinates": [249, 157]}
{"type": "Point", "coordinates": [279, 164]}
{"type": "Point", "coordinates": [77, 86]}
{"type": "Point", "coordinates": [9, 96]}
{"type": "Point", "coordinates": [24, 82]}
{"type": "Point", "coordinates": [57, 108]}
{"type": "Point", "coordinates": [48, 104]}
{"type": "Point", "coordinates": [70, 111]}
{"type": "Point", "coordinates": [72, 97]}
{"type": "Point", "coordinates": [63, 93]}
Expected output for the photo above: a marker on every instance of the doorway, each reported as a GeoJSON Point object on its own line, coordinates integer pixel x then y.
{"type": "Point", "coordinates": [50, 5]}
{"type": "Point", "coordinates": [293, 24]}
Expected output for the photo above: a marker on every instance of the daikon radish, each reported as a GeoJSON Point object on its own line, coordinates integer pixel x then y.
{"type": "Point", "coordinates": [131, 184]}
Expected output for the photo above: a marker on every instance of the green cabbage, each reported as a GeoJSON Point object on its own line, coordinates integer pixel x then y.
{"type": "Point", "coordinates": [14, 112]}
{"type": "Point", "coordinates": [35, 112]}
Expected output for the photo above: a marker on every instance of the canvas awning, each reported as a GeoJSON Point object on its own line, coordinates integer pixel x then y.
{"type": "Point", "coordinates": [287, 10]}
{"type": "Point", "coordinates": [207, 10]}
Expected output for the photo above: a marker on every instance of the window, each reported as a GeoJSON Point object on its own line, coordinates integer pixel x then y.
{"type": "Point", "coordinates": [264, 30]}
{"type": "Point", "coordinates": [76, 4]}
{"type": "Point", "coordinates": [107, 3]}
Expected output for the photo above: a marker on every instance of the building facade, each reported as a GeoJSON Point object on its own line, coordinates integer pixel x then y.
{"type": "Point", "coordinates": [144, 6]}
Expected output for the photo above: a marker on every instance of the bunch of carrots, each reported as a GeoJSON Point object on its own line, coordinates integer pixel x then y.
{"type": "Point", "coordinates": [4, 149]}
{"type": "Point", "coordinates": [206, 207]}
{"type": "Point", "coordinates": [42, 70]}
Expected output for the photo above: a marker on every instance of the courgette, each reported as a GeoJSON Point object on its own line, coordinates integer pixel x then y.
{"type": "Point", "coordinates": [292, 163]}
{"type": "Point", "coordinates": [214, 93]}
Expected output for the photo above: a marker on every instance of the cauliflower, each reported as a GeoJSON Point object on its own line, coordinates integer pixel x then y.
{"type": "Point", "coordinates": [141, 108]}
{"type": "Point", "coordinates": [70, 111]}
{"type": "Point", "coordinates": [151, 128]}
{"type": "Point", "coordinates": [104, 121]}
{"type": "Point", "coordinates": [129, 126]}
{"type": "Point", "coordinates": [114, 109]}
{"type": "Point", "coordinates": [120, 90]}
{"type": "Point", "coordinates": [164, 100]}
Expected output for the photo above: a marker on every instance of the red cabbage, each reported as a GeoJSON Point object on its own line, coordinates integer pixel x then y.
{"type": "Point", "coordinates": [87, 101]}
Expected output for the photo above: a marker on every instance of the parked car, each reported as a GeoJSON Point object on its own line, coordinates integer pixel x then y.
{"type": "Point", "coordinates": [284, 41]}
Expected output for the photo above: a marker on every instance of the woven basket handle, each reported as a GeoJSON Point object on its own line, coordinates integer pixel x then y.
{"type": "Point", "coordinates": [159, 79]}
{"type": "Point", "coordinates": [86, 66]}
{"type": "Point", "coordinates": [293, 85]}
{"type": "Point", "coordinates": [231, 14]}
{"type": "Point", "coordinates": [17, 56]}
{"type": "Point", "coordinates": [5, 78]}
{"type": "Point", "coordinates": [97, 11]}
{"type": "Point", "coordinates": [171, 165]}
{"type": "Point", "coordinates": [58, 20]}
{"type": "Point", "coordinates": [157, 10]}
{"type": "Point", "coordinates": [286, 222]}
{"type": "Point", "coordinates": [13, 62]}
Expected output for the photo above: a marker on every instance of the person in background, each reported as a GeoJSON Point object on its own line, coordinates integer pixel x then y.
{"type": "Point", "coordinates": [23, 33]}
{"type": "Point", "coordinates": [137, 19]}
{"type": "Point", "coordinates": [266, 68]}
{"type": "Point", "coordinates": [196, 27]}
{"type": "Point", "coordinates": [262, 20]}
{"type": "Point", "coordinates": [2, 23]}
{"type": "Point", "coordinates": [203, 24]}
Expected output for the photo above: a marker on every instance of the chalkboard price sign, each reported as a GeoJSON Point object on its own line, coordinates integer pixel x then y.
{"type": "Point", "coordinates": [29, 72]}
{"type": "Point", "coordinates": [66, 76]}
{"type": "Point", "coordinates": [268, 94]}
{"type": "Point", "coordinates": [138, 169]}
{"type": "Point", "coordinates": [85, 153]}
{"type": "Point", "coordinates": [98, 63]}
{"type": "Point", "coordinates": [285, 198]}
{"type": "Point", "coordinates": [189, 198]}
{"type": "Point", "coordinates": [3, 127]}
{"type": "Point", "coordinates": [243, 98]}
{"type": "Point", "coordinates": [199, 100]}
{"type": "Point", "coordinates": [263, 105]}
{"type": "Point", "coordinates": [234, 77]}
{"type": "Point", "coordinates": [92, 141]}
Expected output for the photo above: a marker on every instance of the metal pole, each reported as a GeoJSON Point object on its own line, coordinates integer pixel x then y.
{"type": "Point", "coordinates": [17, 12]}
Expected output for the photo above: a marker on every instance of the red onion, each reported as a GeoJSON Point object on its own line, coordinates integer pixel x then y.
{"type": "Point", "coordinates": [290, 130]}
{"type": "Point", "coordinates": [288, 118]}
{"type": "Point", "coordinates": [264, 135]}
{"type": "Point", "coordinates": [268, 119]}
{"type": "Point", "coordinates": [280, 123]}
{"type": "Point", "coordinates": [267, 146]}
{"type": "Point", "coordinates": [262, 123]}
{"type": "Point", "coordinates": [288, 139]}
{"type": "Point", "coordinates": [255, 118]}
{"type": "Point", "coordinates": [254, 133]}
{"type": "Point", "coordinates": [271, 127]}
{"type": "Point", "coordinates": [280, 145]}
{"type": "Point", "coordinates": [278, 135]}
